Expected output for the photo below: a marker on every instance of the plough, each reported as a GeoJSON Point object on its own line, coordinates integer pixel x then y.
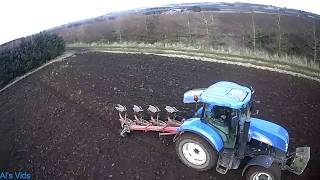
{"type": "Point", "coordinates": [164, 127]}
{"type": "Point", "coordinates": [222, 133]}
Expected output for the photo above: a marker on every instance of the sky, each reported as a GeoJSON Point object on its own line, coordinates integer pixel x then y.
{"type": "Point", "coordinates": [21, 18]}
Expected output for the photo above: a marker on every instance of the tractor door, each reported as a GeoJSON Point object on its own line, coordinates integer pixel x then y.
{"type": "Point", "coordinates": [224, 120]}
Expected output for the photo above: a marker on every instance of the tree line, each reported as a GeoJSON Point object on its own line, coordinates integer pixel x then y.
{"type": "Point", "coordinates": [275, 33]}
{"type": "Point", "coordinates": [22, 55]}
{"type": "Point", "coordinates": [282, 39]}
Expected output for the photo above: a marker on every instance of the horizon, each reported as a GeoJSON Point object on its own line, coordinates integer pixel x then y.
{"type": "Point", "coordinates": [35, 16]}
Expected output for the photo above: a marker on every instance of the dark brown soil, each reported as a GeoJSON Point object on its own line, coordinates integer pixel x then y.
{"type": "Point", "coordinates": [60, 122]}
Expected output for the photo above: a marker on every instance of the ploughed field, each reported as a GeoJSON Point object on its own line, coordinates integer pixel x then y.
{"type": "Point", "coordinates": [60, 122]}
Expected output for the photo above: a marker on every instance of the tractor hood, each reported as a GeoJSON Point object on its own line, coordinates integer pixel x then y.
{"type": "Point", "coordinates": [269, 133]}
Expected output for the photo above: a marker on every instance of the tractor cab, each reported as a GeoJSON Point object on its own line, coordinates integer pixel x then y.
{"type": "Point", "coordinates": [225, 107]}
{"type": "Point", "coordinates": [224, 120]}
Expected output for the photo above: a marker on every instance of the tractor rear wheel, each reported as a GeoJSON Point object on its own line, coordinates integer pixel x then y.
{"type": "Point", "coordinates": [262, 173]}
{"type": "Point", "coordinates": [195, 152]}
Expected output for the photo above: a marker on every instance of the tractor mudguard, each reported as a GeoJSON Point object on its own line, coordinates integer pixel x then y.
{"type": "Point", "coordinates": [261, 160]}
{"type": "Point", "coordinates": [195, 125]}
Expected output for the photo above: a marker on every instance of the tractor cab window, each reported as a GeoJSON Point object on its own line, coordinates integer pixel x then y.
{"type": "Point", "coordinates": [225, 120]}
{"type": "Point", "coordinates": [218, 115]}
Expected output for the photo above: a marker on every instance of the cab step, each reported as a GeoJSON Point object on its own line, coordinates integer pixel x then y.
{"type": "Point", "coordinates": [225, 160]}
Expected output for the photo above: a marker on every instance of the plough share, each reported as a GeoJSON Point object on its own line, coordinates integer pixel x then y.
{"type": "Point", "coordinates": [138, 123]}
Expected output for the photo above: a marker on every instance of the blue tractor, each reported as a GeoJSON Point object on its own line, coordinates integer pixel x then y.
{"type": "Point", "coordinates": [222, 135]}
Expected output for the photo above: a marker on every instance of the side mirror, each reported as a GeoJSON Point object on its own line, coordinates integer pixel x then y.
{"type": "Point", "coordinates": [255, 113]}
{"type": "Point", "coordinates": [252, 90]}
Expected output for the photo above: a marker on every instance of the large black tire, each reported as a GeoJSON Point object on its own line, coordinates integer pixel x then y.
{"type": "Point", "coordinates": [210, 153]}
{"type": "Point", "coordinates": [274, 172]}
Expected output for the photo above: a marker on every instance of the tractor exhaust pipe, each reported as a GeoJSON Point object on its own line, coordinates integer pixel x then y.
{"type": "Point", "coordinates": [245, 131]}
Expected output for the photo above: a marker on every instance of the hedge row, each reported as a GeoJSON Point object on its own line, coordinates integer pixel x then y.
{"type": "Point", "coordinates": [22, 55]}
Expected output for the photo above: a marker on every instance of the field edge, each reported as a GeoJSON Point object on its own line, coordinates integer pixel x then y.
{"type": "Point", "coordinates": [203, 56]}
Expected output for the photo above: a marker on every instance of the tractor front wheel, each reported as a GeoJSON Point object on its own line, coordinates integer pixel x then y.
{"type": "Point", "coordinates": [195, 152]}
{"type": "Point", "coordinates": [262, 173]}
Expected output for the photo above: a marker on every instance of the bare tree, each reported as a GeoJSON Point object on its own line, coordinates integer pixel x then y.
{"type": "Point", "coordinates": [118, 30]}
{"type": "Point", "coordinates": [279, 32]}
{"type": "Point", "coordinates": [205, 20]}
{"type": "Point", "coordinates": [212, 19]}
{"type": "Point", "coordinates": [315, 41]}
{"type": "Point", "coordinates": [253, 31]}
{"type": "Point", "coordinates": [120, 35]}
{"type": "Point", "coordinates": [213, 25]}
{"type": "Point", "coordinates": [146, 25]}
{"type": "Point", "coordinates": [188, 24]}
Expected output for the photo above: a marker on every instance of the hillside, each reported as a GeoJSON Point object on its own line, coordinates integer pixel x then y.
{"type": "Point", "coordinates": [228, 25]}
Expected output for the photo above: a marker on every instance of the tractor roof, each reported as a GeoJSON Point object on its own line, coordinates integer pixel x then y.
{"type": "Point", "coordinates": [222, 93]}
